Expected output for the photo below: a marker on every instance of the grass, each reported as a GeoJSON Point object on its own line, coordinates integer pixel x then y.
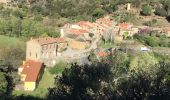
{"type": "Point", "coordinates": [46, 82]}
{"type": "Point", "coordinates": [59, 68]}
{"type": "Point", "coordinates": [108, 45]}
{"type": "Point", "coordinates": [9, 41]}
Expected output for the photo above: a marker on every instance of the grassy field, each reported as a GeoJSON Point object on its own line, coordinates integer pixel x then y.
{"type": "Point", "coordinates": [108, 45]}
{"type": "Point", "coordinates": [9, 41]}
{"type": "Point", "coordinates": [46, 82]}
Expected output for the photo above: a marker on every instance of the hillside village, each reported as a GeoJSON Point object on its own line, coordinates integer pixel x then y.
{"type": "Point", "coordinates": [75, 44]}
{"type": "Point", "coordinates": [84, 49]}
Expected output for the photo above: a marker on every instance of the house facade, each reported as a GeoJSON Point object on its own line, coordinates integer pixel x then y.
{"type": "Point", "coordinates": [30, 73]}
{"type": "Point", "coordinates": [45, 49]}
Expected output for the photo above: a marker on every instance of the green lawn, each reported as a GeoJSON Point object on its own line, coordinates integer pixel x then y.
{"type": "Point", "coordinates": [9, 41]}
{"type": "Point", "coordinates": [46, 82]}
{"type": "Point", "coordinates": [108, 45]}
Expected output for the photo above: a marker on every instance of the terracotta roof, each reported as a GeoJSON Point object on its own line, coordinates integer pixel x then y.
{"type": "Point", "coordinates": [102, 54]}
{"type": "Point", "coordinates": [77, 31]}
{"type": "Point", "coordinates": [31, 69]}
{"type": "Point", "coordinates": [86, 23]}
{"type": "Point", "coordinates": [100, 25]}
{"type": "Point", "coordinates": [49, 40]}
{"type": "Point", "coordinates": [167, 29]}
{"type": "Point", "coordinates": [125, 26]}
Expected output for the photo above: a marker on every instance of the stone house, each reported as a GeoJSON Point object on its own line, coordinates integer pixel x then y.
{"type": "Point", "coordinates": [125, 28]}
{"type": "Point", "coordinates": [43, 49]}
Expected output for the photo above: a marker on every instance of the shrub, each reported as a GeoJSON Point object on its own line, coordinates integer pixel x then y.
{"type": "Point", "coordinates": [160, 12]}
{"type": "Point", "coordinates": [146, 10]}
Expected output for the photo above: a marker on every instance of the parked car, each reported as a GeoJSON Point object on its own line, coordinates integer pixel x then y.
{"type": "Point", "coordinates": [145, 49]}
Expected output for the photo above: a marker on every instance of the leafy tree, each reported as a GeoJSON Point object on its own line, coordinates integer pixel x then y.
{"type": "Point", "coordinates": [160, 11]}
{"type": "Point", "coordinates": [18, 14]}
{"type": "Point", "coordinates": [92, 57]}
{"type": "Point", "coordinates": [98, 12]}
{"type": "Point", "coordinates": [146, 10]}
{"type": "Point", "coordinates": [167, 5]}
{"type": "Point", "coordinates": [81, 82]}
{"type": "Point", "coordinates": [143, 87]}
{"type": "Point", "coordinates": [3, 84]}
{"type": "Point", "coordinates": [144, 62]}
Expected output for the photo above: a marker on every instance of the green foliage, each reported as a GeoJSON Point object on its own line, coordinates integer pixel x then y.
{"type": "Point", "coordinates": [58, 68]}
{"type": "Point", "coordinates": [153, 41]}
{"type": "Point", "coordinates": [92, 57]}
{"type": "Point", "coordinates": [160, 11]}
{"type": "Point", "coordinates": [98, 12]}
{"type": "Point", "coordinates": [81, 82]}
{"type": "Point", "coordinates": [151, 23]}
{"type": "Point", "coordinates": [18, 14]}
{"type": "Point", "coordinates": [146, 10]}
{"type": "Point", "coordinates": [3, 84]}
{"type": "Point", "coordinates": [13, 51]}
{"type": "Point", "coordinates": [120, 63]}
{"type": "Point", "coordinates": [148, 80]}
{"type": "Point", "coordinates": [144, 62]}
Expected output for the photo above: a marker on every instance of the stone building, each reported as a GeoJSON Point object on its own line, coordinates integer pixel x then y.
{"type": "Point", "coordinates": [45, 49]}
{"type": "Point", "coordinates": [5, 1]}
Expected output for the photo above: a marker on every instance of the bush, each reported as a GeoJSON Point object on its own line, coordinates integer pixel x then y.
{"type": "Point", "coordinates": [153, 41]}
{"type": "Point", "coordinates": [160, 12]}
{"type": "Point", "coordinates": [146, 10]}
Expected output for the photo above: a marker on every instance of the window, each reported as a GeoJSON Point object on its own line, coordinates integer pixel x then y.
{"type": "Point", "coordinates": [30, 54]}
{"type": "Point", "coordinates": [36, 55]}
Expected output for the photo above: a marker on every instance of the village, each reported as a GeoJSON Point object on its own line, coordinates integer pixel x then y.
{"type": "Point", "coordinates": [75, 44]}
{"type": "Point", "coordinates": [84, 49]}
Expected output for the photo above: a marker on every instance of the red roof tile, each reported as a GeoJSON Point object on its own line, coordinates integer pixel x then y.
{"type": "Point", "coordinates": [32, 70]}
{"type": "Point", "coordinates": [125, 26]}
{"type": "Point", "coordinates": [102, 54]}
{"type": "Point", "coordinates": [167, 29]}
{"type": "Point", "coordinates": [86, 24]}
{"type": "Point", "coordinates": [77, 31]}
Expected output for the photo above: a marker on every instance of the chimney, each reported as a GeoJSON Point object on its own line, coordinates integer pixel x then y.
{"type": "Point", "coordinates": [62, 32]}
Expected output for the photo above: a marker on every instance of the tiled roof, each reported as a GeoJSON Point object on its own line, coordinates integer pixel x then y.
{"type": "Point", "coordinates": [167, 29]}
{"type": "Point", "coordinates": [125, 26]}
{"type": "Point", "coordinates": [85, 23]}
{"type": "Point", "coordinates": [31, 69]}
{"type": "Point", "coordinates": [49, 40]}
{"type": "Point", "coordinates": [102, 54]}
{"type": "Point", "coordinates": [77, 31]}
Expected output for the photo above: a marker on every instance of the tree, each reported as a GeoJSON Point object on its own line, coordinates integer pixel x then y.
{"type": "Point", "coordinates": [140, 86]}
{"type": "Point", "coordinates": [144, 62]}
{"type": "Point", "coordinates": [146, 10]}
{"type": "Point", "coordinates": [98, 12]}
{"type": "Point", "coordinates": [82, 82]}
{"type": "Point", "coordinates": [3, 84]}
{"type": "Point", "coordinates": [160, 11]}
{"type": "Point", "coordinates": [167, 6]}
